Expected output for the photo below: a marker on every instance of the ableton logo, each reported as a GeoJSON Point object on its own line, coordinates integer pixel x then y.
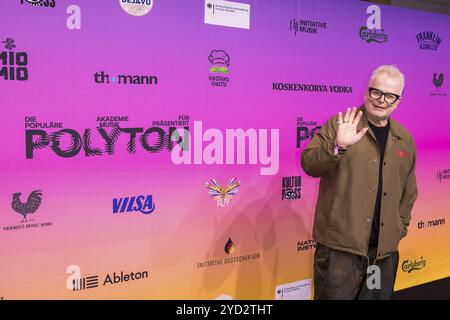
{"type": "Point", "coordinates": [85, 283]}
{"type": "Point", "coordinates": [76, 282]}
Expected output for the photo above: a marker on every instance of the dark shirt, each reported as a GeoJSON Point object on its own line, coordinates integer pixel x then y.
{"type": "Point", "coordinates": [381, 134]}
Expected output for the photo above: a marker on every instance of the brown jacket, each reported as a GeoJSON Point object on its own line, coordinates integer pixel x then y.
{"type": "Point", "coordinates": [348, 188]}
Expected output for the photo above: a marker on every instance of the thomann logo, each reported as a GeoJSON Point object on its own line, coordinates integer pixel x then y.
{"type": "Point", "coordinates": [373, 32]}
{"type": "Point", "coordinates": [428, 40]}
{"type": "Point", "coordinates": [236, 146]}
{"type": "Point", "coordinates": [13, 65]}
{"type": "Point", "coordinates": [102, 78]}
{"type": "Point", "coordinates": [143, 204]}
{"type": "Point", "coordinates": [410, 266]}
{"type": "Point", "coordinates": [40, 3]}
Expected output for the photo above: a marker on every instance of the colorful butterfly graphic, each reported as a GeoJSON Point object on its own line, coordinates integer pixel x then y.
{"type": "Point", "coordinates": [215, 190]}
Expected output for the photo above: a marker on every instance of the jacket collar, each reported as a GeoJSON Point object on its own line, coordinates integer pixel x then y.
{"type": "Point", "coordinates": [394, 129]}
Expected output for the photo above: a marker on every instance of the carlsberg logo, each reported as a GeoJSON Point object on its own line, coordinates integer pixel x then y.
{"type": "Point", "coordinates": [409, 266]}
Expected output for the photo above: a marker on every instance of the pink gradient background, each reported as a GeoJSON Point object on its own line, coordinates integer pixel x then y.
{"type": "Point", "coordinates": [173, 43]}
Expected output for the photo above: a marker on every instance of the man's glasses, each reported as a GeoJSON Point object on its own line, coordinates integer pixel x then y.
{"type": "Point", "coordinates": [389, 98]}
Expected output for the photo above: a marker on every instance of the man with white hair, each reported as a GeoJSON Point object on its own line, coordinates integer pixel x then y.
{"type": "Point", "coordinates": [366, 163]}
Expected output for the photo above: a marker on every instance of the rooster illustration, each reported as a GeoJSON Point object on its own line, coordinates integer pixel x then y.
{"type": "Point", "coordinates": [438, 80]}
{"type": "Point", "coordinates": [32, 204]}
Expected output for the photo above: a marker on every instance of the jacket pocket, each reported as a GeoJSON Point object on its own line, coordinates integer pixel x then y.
{"type": "Point", "coordinates": [399, 224]}
{"type": "Point", "coordinates": [335, 209]}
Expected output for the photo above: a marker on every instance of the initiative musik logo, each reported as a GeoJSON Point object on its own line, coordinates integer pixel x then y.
{"type": "Point", "coordinates": [229, 249]}
{"type": "Point", "coordinates": [222, 194]}
{"type": "Point", "coordinates": [409, 266]}
{"type": "Point", "coordinates": [14, 64]}
{"type": "Point", "coordinates": [443, 175]}
{"type": "Point", "coordinates": [40, 3]}
{"type": "Point", "coordinates": [219, 69]}
{"type": "Point", "coordinates": [306, 129]}
{"type": "Point", "coordinates": [291, 187]}
{"type": "Point", "coordinates": [141, 203]}
{"type": "Point", "coordinates": [306, 26]}
{"type": "Point", "coordinates": [438, 80]}
{"type": "Point", "coordinates": [104, 78]}
{"type": "Point", "coordinates": [111, 133]}
{"type": "Point", "coordinates": [372, 32]}
{"type": "Point", "coordinates": [428, 40]}
{"type": "Point", "coordinates": [26, 210]}
{"type": "Point", "coordinates": [76, 282]}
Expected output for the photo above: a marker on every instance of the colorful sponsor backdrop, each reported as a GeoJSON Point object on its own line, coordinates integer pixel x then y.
{"type": "Point", "coordinates": [152, 150]}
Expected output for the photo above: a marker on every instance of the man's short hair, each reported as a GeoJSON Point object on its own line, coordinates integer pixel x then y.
{"type": "Point", "coordinates": [390, 70]}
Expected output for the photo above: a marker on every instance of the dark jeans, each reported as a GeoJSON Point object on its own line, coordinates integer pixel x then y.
{"type": "Point", "coordinates": [342, 275]}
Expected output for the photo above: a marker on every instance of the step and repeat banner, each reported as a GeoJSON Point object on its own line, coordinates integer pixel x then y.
{"type": "Point", "coordinates": [151, 149]}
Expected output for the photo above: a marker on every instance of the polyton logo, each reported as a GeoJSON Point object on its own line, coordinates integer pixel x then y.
{"type": "Point", "coordinates": [143, 204]}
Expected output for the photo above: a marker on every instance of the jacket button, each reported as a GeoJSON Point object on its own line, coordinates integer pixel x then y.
{"type": "Point", "coordinates": [384, 163]}
{"type": "Point", "coordinates": [382, 224]}
{"type": "Point", "coordinates": [368, 220]}
{"type": "Point", "coordinates": [385, 194]}
{"type": "Point", "coordinates": [375, 160]}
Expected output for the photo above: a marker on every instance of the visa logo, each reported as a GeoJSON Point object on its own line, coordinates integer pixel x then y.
{"type": "Point", "coordinates": [140, 203]}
